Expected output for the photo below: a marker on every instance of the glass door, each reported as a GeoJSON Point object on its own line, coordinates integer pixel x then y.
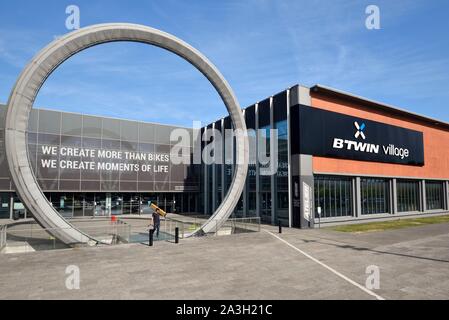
{"type": "Point", "coordinates": [89, 204]}
{"type": "Point", "coordinates": [101, 208]}
{"type": "Point", "coordinates": [5, 200]}
{"type": "Point", "coordinates": [78, 201]}
{"type": "Point", "coordinates": [265, 207]}
{"type": "Point", "coordinates": [131, 203]}
{"type": "Point", "coordinates": [116, 204]}
{"type": "Point", "coordinates": [18, 209]}
{"type": "Point", "coordinates": [64, 204]}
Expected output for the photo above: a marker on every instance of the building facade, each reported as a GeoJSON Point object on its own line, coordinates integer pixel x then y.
{"type": "Point", "coordinates": [339, 158]}
{"type": "Point", "coordinates": [90, 166]}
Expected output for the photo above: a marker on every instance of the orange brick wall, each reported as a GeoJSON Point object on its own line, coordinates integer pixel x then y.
{"type": "Point", "coordinates": [436, 144]}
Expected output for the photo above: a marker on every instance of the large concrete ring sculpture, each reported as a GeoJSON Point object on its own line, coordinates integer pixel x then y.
{"type": "Point", "coordinates": [39, 69]}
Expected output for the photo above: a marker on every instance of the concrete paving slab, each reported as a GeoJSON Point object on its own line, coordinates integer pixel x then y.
{"type": "Point", "coordinates": [413, 265]}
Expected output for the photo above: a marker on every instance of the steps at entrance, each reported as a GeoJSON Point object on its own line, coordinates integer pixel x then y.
{"type": "Point", "coordinates": [17, 247]}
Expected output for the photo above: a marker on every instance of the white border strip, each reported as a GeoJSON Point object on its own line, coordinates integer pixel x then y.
{"type": "Point", "coordinates": [378, 297]}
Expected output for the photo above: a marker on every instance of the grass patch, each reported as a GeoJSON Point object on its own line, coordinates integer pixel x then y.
{"type": "Point", "coordinates": [391, 224]}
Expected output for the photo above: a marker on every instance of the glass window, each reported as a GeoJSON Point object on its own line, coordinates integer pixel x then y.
{"type": "Point", "coordinates": [78, 204]}
{"type": "Point", "coordinates": [251, 203]}
{"type": "Point", "coordinates": [63, 203]}
{"type": "Point", "coordinates": [130, 146]}
{"type": "Point", "coordinates": [31, 137]}
{"type": "Point", "coordinates": [265, 203]}
{"type": "Point", "coordinates": [100, 207]}
{"type": "Point", "coordinates": [49, 139]}
{"type": "Point", "coordinates": [5, 200]}
{"type": "Point", "coordinates": [229, 154]}
{"type": "Point", "coordinates": [3, 116]}
{"type": "Point", "coordinates": [209, 182]}
{"type": "Point", "coordinates": [91, 143]}
{"type": "Point", "coordinates": [264, 179]}
{"type": "Point", "coordinates": [71, 124]}
{"type": "Point", "coordinates": [69, 185]}
{"type": "Point", "coordinates": [18, 209]}
{"type": "Point", "coordinates": [131, 203]}
{"type": "Point", "coordinates": [49, 121]}
{"type": "Point", "coordinates": [4, 172]}
{"type": "Point", "coordinates": [110, 144]}
{"type": "Point", "coordinates": [434, 195]}
{"type": "Point", "coordinates": [407, 195]}
{"type": "Point", "coordinates": [33, 120]}
{"type": "Point", "coordinates": [90, 185]}
{"type": "Point", "coordinates": [251, 179]}
{"type": "Point", "coordinates": [375, 195]}
{"type": "Point", "coordinates": [48, 184]}
{"type": "Point", "coordinates": [281, 181]}
{"type": "Point", "coordinates": [333, 195]}
{"type": "Point", "coordinates": [263, 110]}
{"type": "Point", "coordinates": [111, 129]}
{"type": "Point", "coordinates": [250, 119]}
{"type": "Point", "coordinates": [111, 185]}
{"type": "Point", "coordinates": [146, 132]}
{"type": "Point", "coordinates": [89, 204]}
{"type": "Point", "coordinates": [130, 130]}
{"type": "Point", "coordinates": [45, 168]}
{"type": "Point", "coordinates": [218, 166]}
{"type": "Point", "coordinates": [5, 184]}
{"type": "Point", "coordinates": [71, 141]}
{"type": "Point", "coordinates": [162, 133]}
{"type": "Point", "coordinates": [92, 126]}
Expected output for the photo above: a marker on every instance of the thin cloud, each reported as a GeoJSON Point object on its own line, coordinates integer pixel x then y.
{"type": "Point", "coordinates": [261, 47]}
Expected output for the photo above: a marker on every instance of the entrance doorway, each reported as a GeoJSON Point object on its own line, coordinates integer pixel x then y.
{"type": "Point", "coordinates": [265, 207]}
{"type": "Point", "coordinates": [5, 205]}
{"type": "Point", "coordinates": [18, 209]}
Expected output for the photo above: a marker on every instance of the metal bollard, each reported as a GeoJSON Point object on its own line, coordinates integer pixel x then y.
{"type": "Point", "coordinates": [280, 226]}
{"type": "Point", "coordinates": [176, 235]}
{"type": "Point", "coordinates": [150, 238]}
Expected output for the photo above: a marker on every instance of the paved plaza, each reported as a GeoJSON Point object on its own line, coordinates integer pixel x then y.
{"type": "Point", "coordinates": [297, 264]}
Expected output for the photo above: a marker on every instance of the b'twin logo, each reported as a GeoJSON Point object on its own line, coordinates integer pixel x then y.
{"type": "Point", "coordinates": [390, 150]}
{"type": "Point", "coordinates": [359, 132]}
{"type": "Point", "coordinates": [354, 145]}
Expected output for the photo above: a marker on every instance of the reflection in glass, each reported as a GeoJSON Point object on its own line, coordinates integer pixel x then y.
{"type": "Point", "coordinates": [434, 195]}
{"type": "Point", "coordinates": [333, 194]}
{"type": "Point", "coordinates": [5, 199]}
{"type": "Point", "coordinates": [78, 204]}
{"type": "Point", "coordinates": [89, 204]}
{"type": "Point", "coordinates": [375, 195]}
{"type": "Point", "coordinates": [407, 195]}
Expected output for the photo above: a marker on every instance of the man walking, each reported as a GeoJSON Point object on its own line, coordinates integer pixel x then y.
{"type": "Point", "coordinates": [156, 222]}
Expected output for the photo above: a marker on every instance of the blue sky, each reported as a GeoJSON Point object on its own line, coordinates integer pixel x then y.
{"type": "Point", "coordinates": [261, 47]}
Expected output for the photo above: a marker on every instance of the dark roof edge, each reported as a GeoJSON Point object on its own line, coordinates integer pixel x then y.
{"type": "Point", "coordinates": [318, 88]}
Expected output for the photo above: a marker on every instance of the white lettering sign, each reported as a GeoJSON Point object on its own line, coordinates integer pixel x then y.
{"type": "Point", "coordinates": [390, 150]}
{"type": "Point", "coordinates": [92, 159]}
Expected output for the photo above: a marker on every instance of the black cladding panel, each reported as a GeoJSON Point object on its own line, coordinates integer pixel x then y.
{"type": "Point", "coordinates": [330, 134]}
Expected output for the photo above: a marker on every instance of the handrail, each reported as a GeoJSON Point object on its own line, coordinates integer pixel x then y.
{"type": "Point", "coordinates": [234, 223]}
{"type": "Point", "coordinates": [114, 229]}
{"type": "Point", "coordinates": [113, 233]}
